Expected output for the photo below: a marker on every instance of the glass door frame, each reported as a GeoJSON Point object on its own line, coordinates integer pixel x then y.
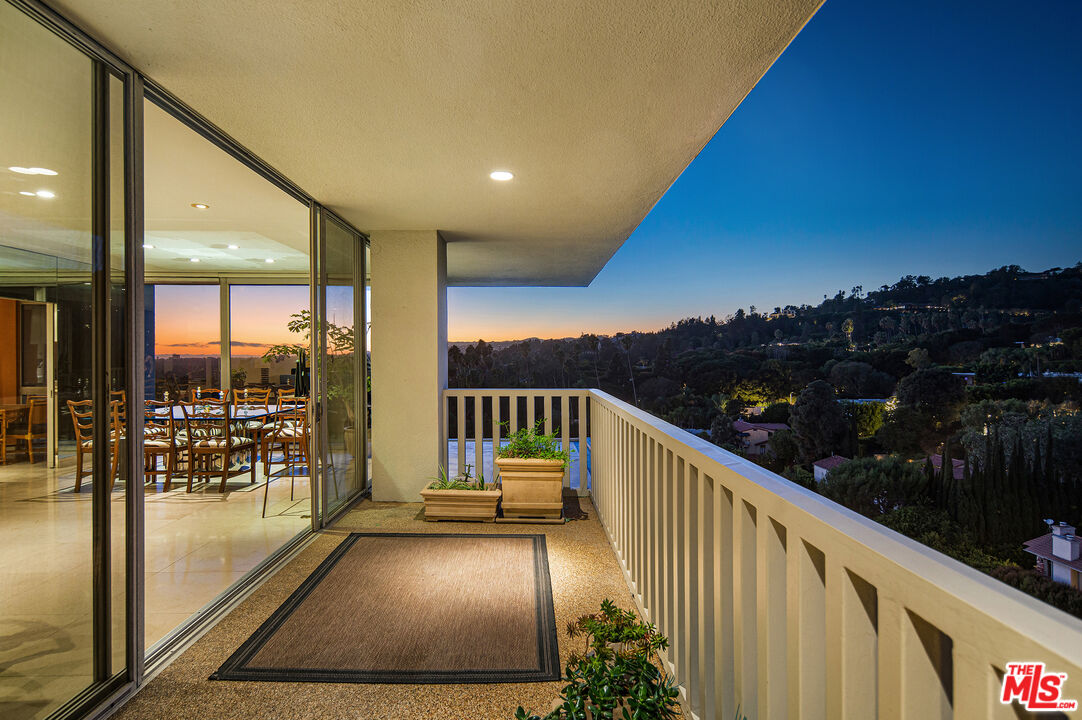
{"type": "Point", "coordinates": [320, 437]}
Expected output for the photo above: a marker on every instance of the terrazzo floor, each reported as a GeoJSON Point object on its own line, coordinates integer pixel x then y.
{"type": "Point", "coordinates": [583, 570]}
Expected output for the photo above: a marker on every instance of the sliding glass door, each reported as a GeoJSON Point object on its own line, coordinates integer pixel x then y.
{"type": "Point", "coordinates": [341, 423]}
{"type": "Point", "coordinates": [65, 316]}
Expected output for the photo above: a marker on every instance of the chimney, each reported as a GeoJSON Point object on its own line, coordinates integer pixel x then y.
{"type": "Point", "coordinates": [1063, 528]}
{"type": "Point", "coordinates": [1066, 547]}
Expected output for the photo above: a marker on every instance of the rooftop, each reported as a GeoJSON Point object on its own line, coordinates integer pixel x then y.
{"type": "Point", "coordinates": [829, 463]}
{"type": "Point", "coordinates": [1042, 548]}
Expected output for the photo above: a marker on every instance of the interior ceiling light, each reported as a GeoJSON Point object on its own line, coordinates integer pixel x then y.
{"type": "Point", "coordinates": [47, 194]}
{"type": "Point", "coordinates": [32, 171]}
{"type": "Point", "coordinates": [148, 246]}
{"type": "Point", "coordinates": [200, 206]}
{"type": "Point", "coordinates": [501, 175]}
{"type": "Point", "coordinates": [233, 247]}
{"type": "Point", "coordinates": [270, 260]}
{"type": "Point", "coordinates": [27, 193]}
{"type": "Point", "coordinates": [194, 259]}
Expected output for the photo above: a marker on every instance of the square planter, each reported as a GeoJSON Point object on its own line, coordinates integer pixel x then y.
{"type": "Point", "coordinates": [475, 505]}
{"type": "Point", "coordinates": [532, 487]}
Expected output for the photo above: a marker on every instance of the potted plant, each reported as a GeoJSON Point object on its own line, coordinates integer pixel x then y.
{"type": "Point", "coordinates": [532, 468]}
{"type": "Point", "coordinates": [460, 498]}
{"type": "Point", "coordinates": [617, 675]}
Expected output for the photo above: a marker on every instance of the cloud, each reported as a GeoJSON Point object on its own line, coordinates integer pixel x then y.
{"type": "Point", "coordinates": [239, 343]}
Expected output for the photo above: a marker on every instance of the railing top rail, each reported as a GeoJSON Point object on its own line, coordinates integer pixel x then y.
{"type": "Point", "coordinates": [889, 559]}
{"type": "Point", "coordinates": [521, 392]}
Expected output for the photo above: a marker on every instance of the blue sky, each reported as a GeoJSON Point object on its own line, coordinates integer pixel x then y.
{"type": "Point", "coordinates": [921, 137]}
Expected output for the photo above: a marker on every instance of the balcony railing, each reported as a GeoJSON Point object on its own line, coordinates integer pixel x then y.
{"type": "Point", "coordinates": [784, 603]}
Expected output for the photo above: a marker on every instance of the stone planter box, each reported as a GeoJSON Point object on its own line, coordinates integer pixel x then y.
{"type": "Point", "coordinates": [473, 505]}
{"type": "Point", "coordinates": [532, 487]}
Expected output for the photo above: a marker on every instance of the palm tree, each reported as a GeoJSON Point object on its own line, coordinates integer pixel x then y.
{"type": "Point", "coordinates": [626, 341]}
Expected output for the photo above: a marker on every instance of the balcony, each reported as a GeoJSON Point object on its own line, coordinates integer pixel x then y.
{"type": "Point", "coordinates": [775, 600]}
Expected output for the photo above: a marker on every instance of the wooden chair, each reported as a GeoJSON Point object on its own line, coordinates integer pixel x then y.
{"type": "Point", "coordinates": [82, 418]}
{"type": "Point", "coordinates": [159, 441]}
{"type": "Point", "coordinates": [209, 437]}
{"type": "Point", "coordinates": [34, 428]}
{"type": "Point", "coordinates": [290, 433]}
{"type": "Point", "coordinates": [207, 393]}
{"type": "Point", "coordinates": [252, 398]}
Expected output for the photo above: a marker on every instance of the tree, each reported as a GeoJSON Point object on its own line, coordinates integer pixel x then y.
{"type": "Point", "coordinates": [875, 487]}
{"type": "Point", "coordinates": [866, 418]}
{"type": "Point", "coordinates": [918, 359]}
{"type": "Point", "coordinates": [784, 448]}
{"type": "Point", "coordinates": [933, 391]}
{"type": "Point", "coordinates": [722, 433]}
{"type": "Point", "coordinates": [860, 380]}
{"type": "Point", "coordinates": [907, 431]}
{"type": "Point", "coordinates": [818, 421]}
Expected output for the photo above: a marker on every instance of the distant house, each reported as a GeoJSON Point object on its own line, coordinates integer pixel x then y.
{"type": "Point", "coordinates": [937, 463]}
{"type": "Point", "coordinates": [755, 436]}
{"type": "Point", "coordinates": [969, 379]}
{"type": "Point", "coordinates": [822, 468]}
{"type": "Point", "coordinates": [1058, 554]}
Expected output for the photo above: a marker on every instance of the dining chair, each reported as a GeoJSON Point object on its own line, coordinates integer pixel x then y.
{"type": "Point", "coordinates": [207, 393]}
{"type": "Point", "coordinates": [82, 418]}
{"type": "Point", "coordinates": [210, 440]}
{"type": "Point", "coordinates": [159, 441]}
{"type": "Point", "coordinates": [252, 398]}
{"type": "Point", "coordinates": [34, 427]}
{"type": "Point", "coordinates": [290, 433]}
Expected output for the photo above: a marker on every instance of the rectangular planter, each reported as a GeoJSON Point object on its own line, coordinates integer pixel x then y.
{"type": "Point", "coordinates": [475, 505]}
{"type": "Point", "coordinates": [532, 487]}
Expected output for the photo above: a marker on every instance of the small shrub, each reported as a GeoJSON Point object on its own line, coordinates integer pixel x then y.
{"type": "Point", "coordinates": [614, 677]}
{"type": "Point", "coordinates": [533, 443]}
{"type": "Point", "coordinates": [1031, 582]}
{"type": "Point", "coordinates": [459, 482]}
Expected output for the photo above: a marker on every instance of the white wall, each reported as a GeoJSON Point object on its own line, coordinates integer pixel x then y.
{"type": "Point", "coordinates": [409, 360]}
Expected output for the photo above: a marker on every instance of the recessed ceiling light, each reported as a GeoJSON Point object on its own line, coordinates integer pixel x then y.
{"type": "Point", "coordinates": [195, 259]}
{"type": "Point", "coordinates": [270, 260]}
{"type": "Point", "coordinates": [26, 193]}
{"type": "Point", "coordinates": [148, 246]}
{"type": "Point", "coordinates": [47, 194]}
{"type": "Point", "coordinates": [32, 171]}
{"type": "Point", "coordinates": [233, 247]}
{"type": "Point", "coordinates": [501, 175]}
{"type": "Point", "coordinates": [200, 206]}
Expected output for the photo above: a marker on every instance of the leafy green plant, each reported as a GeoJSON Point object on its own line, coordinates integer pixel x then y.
{"type": "Point", "coordinates": [459, 482]}
{"type": "Point", "coordinates": [533, 443]}
{"type": "Point", "coordinates": [615, 676]}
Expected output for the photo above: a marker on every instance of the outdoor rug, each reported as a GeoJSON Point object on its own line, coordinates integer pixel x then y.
{"type": "Point", "coordinates": [413, 608]}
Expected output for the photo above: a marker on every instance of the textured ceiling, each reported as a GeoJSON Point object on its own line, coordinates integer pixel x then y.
{"type": "Point", "coordinates": [393, 113]}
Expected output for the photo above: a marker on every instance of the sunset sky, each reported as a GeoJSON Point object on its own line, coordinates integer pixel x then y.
{"type": "Point", "coordinates": [891, 138]}
{"type": "Point", "coordinates": [922, 137]}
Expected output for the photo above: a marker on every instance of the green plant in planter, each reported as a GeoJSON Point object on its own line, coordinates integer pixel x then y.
{"type": "Point", "coordinates": [459, 482]}
{"type": "Point", "coordinates": [615, 676]}
{"type": "Point", "coordinates": [532, 442]}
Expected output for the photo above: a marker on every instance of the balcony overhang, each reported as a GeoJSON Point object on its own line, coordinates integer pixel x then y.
{"type": "Point", "coordinates": [394, 114]}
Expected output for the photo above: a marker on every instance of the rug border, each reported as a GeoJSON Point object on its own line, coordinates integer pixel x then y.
{"type": "Point", "coordinates": [236, 666]}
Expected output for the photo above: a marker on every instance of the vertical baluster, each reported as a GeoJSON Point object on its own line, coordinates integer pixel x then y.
{"type": "Point", "coordinates": [704, 504]}
{"type": "Point", "coordinates": [461, 435]}
{"type": "Point", "coordinates": [976, 685]}
{"type": "Point", "coordinates": [565, 434]}
{"type": "Point", "coordinates": [531, 409]}
{"type": "Point", "coordinates": [771, 628]}
{"type": "Point", "coordinates": [806, 627]}
{"type": "Point", "coordinates": [478, 434]}
{"type": "Point", "coordinates": [723, 603]}
{"type": "Point", "coordinates": [513, 410]}
{"type": "Point", "coordinates": [692, 628]}
{"type": "Point", "coordinates": [680, 629]}
{"type": "Point", "coordinates": [668, 572]}
{"type": "Point", "coordinates": [497, 401]}
{"type": "Point", "coordinates": [926, 669]}
{"type": "Point", "coordinates": [744, 608]}
{"type": "Point", "coordinates": [547, 408]}
{"type": "Point", "coordinates": [445, 401]}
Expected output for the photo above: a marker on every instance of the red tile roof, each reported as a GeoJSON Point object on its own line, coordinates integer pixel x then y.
{"type": "Point", "coordinates": [829, 463]}
{"type": "Point", "coordinates": [1042, 548]}
{"type": "Point", "coordinates": [959, 465]}
{"type": "Point", "coordinates": [744, 426]}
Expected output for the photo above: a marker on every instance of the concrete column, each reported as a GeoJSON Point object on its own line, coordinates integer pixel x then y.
{"type": "Point", "coordinates": [409, 360]}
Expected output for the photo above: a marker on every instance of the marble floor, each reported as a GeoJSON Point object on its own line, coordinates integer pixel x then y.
{"type": "Point", "coordinates": [197, 544]}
